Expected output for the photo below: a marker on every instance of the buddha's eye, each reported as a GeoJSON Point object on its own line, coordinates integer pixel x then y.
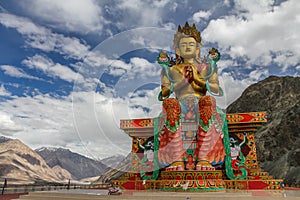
{"type": "Point", "coordinates": [183, 44]}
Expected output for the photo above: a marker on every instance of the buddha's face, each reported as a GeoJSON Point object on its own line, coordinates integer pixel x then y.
{"type": "Point", "coordinates": [188, 47]}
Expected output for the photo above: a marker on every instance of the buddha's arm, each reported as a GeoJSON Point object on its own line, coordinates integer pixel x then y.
{"type": "Point", "coordinates": [165, 86]}
{"type": "Point", "coordinates": [213, 82]}
{"type": "Point", "coordinates": [197, 88]}
{"type": "Point", "coordinates": [179, 83]}
{"type": "Point", "coordinates": [199, 81]}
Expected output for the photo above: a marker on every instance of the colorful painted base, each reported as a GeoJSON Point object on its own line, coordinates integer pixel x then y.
{"type": "Point", "coordinates": [192, 181]}
{"type": "Point", "coordinates": [241, 128]}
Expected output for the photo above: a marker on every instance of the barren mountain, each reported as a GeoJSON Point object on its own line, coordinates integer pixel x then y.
{"type": "Point", "coordinates": [78, 165]}
{"type": "Point", "coordinates": [278, 141]}
{"type": "Point", "coordinates": [21, 165]}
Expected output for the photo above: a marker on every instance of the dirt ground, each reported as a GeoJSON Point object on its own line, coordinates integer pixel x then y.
{"type": "Point", "coordinates": [158, 195]}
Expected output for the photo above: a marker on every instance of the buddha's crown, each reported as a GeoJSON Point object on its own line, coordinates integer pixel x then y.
{"type": "Point", "coordinates": [190, 31]}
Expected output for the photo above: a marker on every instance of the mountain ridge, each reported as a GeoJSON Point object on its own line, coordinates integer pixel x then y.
{"type": "Point", "coordinates": [78, 165]}
{"type": "Point", "coordinates": [21, 164]}
{"type": "Point", "coordinates": [277, 141]}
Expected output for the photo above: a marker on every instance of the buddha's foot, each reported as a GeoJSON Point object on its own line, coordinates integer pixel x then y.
{"type": "Point", "coordinates": [176, 166]}
{"type": "Point", "coordinates": [204, 165]}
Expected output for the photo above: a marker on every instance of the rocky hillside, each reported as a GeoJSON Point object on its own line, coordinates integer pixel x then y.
{"type": "Point", "coordinates": [79, 166]}
{"type": "Point", "coordinates": [116, 171]}
{"type": "Point", "coordinates": [113, 160]}
{"type": "Point", "coordinates": [21, 165]}
{"type": "Point", "coordinates": [278, 141]}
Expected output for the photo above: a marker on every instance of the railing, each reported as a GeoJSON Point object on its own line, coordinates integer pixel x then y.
{"type": "Point", "coordinates": [21, 189]}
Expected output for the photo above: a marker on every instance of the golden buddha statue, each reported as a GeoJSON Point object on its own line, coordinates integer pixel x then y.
{"type": "Point", "coordinates": [190, 78]}
{"type": "Point", "coordinates": [189, 71]}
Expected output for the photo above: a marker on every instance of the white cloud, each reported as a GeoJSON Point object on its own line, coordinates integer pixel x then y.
{"type": "Point", "coordinates": [232, 89]}
{"type": "Point", "coordinates": [201, 15]}
{"type": "Point", "coordinates": [7, 125]}
{"type": "Point", "coordinates": [227, 3]}
{"type": "Point", "coordinates": [142, 68]}
{"type": "Point", "coordinates": [86, 122]}
{"type": "Point", "coordinates": [223, 64]}
{"type": "Point", "coordinates": [16, 72]}
{"type": "Point", "coordinates": [173, 6]}
{"type": "Point", "coordinates": [23, 25]}
{"type": "Point", "coordinates": [248, 8]}
{"type": "Point", "coordinates": [281, 59]}
{"type": "Point", "coordinates": [144, 99]}
{"type": "Point", "coordinates": [258, 74]}
{"type": "Point", "coordinates": [169, 26]}
{"type": "Point", "coordinates": [104, 58]}
{"type": "Point", "coordinates": [3, 91]}
{"type": "Point", "coordinates": [52, 69]}
{"type": "Point", "coordinates": [44, 119]}
{"type": "Point", "coordinates": [44, 39]}
{"type": "Point", "coordinates": [142, 13]}
{"type": "Point", "coordinates": [81, 16]}
{"type": "Point", "coordinates": [265, 31]}
{"type": "Point", "coordinates": [160, 3]}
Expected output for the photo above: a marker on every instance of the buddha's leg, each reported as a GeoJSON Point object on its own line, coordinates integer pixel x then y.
{"type": "Point", "coordinates": [205, 151]}
{"type": "Point", "coordinates": [171, 148]}
{"type": "Point", "coordinates": [206, 133]}
{"type": "Point", "coordinates": [176, 149]}
{"type": "Point", "coordinates": [210, 148]}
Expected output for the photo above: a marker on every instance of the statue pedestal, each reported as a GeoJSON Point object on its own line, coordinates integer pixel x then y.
{"type": "Point", "coordinates": [192, 181]}
{"type": "Point", "coordinates": [179, 181]}
{"type": "Point", "coordinates": [240, 126]}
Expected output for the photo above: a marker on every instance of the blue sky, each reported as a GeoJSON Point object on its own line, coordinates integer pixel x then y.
{"type": "Point", "coordinates": [70, 70]}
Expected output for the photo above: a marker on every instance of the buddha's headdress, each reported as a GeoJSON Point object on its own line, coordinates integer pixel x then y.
{"type": "Point", "coordinates": [186, 31]}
